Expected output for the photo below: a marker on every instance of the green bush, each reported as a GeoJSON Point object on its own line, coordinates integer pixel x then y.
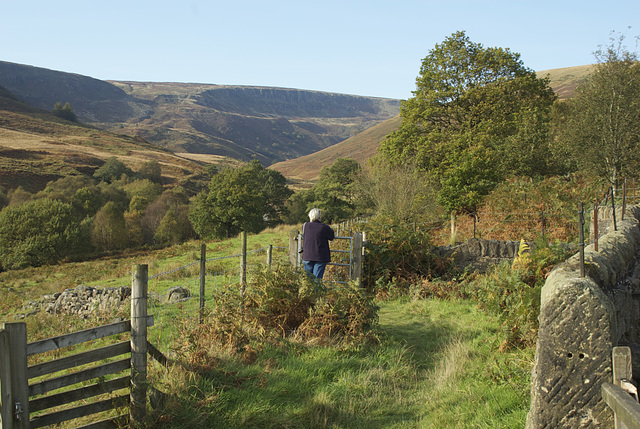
{"type": "Point", "coordinates": [282, 303]}
{"type": "Point", "coordinates": [399, 255]}
{"type": "Point", "coordinates": [37, 233]}
{"type": "Point", "coordinates": [512, 291]}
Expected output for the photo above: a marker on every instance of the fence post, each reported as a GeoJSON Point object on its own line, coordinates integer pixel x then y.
{"type": "Point", "coordinates": [595, 227]}
{"type": "Point", "coordinates": [203, 270]}
{"type": "Point", "coordinates": [269, 255]}
{"type": "Point", "coordinates": [6, 395]}
{"type": "Point", "coordinates": [293, 248]}
{"type": "Point", "coordinates": [624, 197]}
{"type": "Point", "coordinates": [622, 367]}
{"type": "Point", "coordinates": [581, 235]}
{"type": "Point", "coordinates": [357, 250]}
{"type": "Point", "coordinates": [243, 261]}
{"type": "Point", "coordinates": [14, 365]}
{"type": "Point", "coordinates": [138, 396]}
{"type": "Point", "coordinates": [613, 208]}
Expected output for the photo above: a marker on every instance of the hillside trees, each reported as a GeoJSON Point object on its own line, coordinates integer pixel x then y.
{"type": "Point", "coordinates": [478, 115]}
{"type": "Point", "coordinates": [65, 112]}
{"type": "Point", "coordinates": [38, 232]}
{"type": "Point", "coordinates": [599, 129]}
{"type": "Point", "coordinates": [248, 198]}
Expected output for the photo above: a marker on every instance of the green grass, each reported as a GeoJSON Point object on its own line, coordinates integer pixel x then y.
{"type": "Point", "coordinates": [436, 367]}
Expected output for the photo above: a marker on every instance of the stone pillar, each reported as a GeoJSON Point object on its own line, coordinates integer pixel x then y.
{"type": "Point", "coordinates": [573, 356]}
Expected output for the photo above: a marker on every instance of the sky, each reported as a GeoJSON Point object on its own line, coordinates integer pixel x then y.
{"type": "Point", "coordinates": [361, 47]}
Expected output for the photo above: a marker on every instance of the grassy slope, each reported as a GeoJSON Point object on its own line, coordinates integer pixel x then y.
{"type": "Point", "coordinates": [36, 147]}
{"type": "Point", "coordinates": [360, 147]}
{"type": "Point", "coordinates": [437, 365]}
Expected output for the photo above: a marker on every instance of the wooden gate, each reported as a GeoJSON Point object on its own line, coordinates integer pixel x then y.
{"type": "Point", "coordinates": [21, 403]}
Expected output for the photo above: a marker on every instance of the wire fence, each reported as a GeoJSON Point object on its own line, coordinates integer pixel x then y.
{"type": "Point", "coordinates": [176, 295]}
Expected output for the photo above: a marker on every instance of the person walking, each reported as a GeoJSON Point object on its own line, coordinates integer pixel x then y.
{"type": "Point", "coordinates": [315, 244]}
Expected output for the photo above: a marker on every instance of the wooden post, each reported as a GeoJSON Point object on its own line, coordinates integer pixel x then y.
{"type": "Point", "coordinates": [622, 367]}
{"type": "Point", "coordinates": [6, 395]}
{"type": "Point", "coordinates": [452, 239]}
{"type": "Point", "coordinates": [203, 270]}
{"type": "Point", "coordinates": [581, 235]}
{"type": "Point", "coordinates": [624, 198]}
{"type": "Point", "coordinates": [293, 248]}
{"type": "Point", "coordinates": [138, 396]}
{"type": "Point", "coordinates": [269, 255]}
{"type": "Point", "coordinates": [243, 261]}
{"type": "Point", "coordinates": [595, 227]}
{"type": "Point", "coordinates": [613, 209]}
{"type": "Point", "coordinates": [15, 393]}
{"type": "Point", "coordinates": [356, 257]}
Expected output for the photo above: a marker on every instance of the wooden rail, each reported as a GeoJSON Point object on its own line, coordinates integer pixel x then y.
{"type": "Point", "coordinates": [625, 406]}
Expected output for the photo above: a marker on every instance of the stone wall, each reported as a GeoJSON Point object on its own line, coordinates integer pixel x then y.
{"type": "Point", "coordinates": [89, 302]}
{"type": "Point", "coordinates": [478, 255]}
{"type": "Point", "coordinates": [581, 320]}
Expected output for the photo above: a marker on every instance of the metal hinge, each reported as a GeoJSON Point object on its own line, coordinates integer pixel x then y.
{"type": "Point", "coordinates": [17, 412]}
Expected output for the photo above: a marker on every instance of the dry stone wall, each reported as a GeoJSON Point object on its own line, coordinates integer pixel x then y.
{"type": "Point", "coordinates": [581, 320]}
{"type": "Point", "coordinates": [478, 255]}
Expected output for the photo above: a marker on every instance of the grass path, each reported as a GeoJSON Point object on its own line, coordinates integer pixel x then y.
{"type": "Point", "coordinates": [436, 367]}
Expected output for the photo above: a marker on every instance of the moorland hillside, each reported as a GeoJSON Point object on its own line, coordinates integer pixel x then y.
{"type": "Point", "coordinates": [240, 122]}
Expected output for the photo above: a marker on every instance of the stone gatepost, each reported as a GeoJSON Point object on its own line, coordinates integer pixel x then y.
{"type": "Point", "coordinates": [581, 320]}
{"type": "Point", "coordinates": [573, 356]}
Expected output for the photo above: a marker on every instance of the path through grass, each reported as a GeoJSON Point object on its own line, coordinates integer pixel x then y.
{"type": "Point", "coordinates": [437, 367]}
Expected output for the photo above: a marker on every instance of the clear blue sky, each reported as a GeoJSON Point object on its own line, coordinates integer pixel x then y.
{"type": "Point", "coordinates": [363, 47]}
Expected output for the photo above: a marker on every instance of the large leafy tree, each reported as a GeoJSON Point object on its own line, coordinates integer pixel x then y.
{"type": "Point", "coordinates": [248, 199]}
{"type": "Point", "coordinates": [37, 233]}
{"type": "Point", "coordinates": [334, 193]}
{"type": "Point", "coordinates": [476, 117]}
{"type": "Point", "coordinates": [600, 127]}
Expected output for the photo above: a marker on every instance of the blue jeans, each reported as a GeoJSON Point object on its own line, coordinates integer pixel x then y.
{"type": "Point", "coordinates": [315, 267]}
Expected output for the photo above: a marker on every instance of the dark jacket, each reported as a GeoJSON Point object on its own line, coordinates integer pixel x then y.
{"type": "Point", "coordinates": [315, 244]}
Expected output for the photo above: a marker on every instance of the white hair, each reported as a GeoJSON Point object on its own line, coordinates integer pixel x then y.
{"type": "Point", "coordinates": [314, 214]}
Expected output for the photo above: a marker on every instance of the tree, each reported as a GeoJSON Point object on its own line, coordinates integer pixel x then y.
{"type": "Point", "coordinates": [151, 170]}
{"type": "Point", "coordinates": [37, 233]}
{"type": "Point", "coordinates": [398, 192]}
{"type": "Point", "coordinates": [470, 102]}
{"type": "Point", "coordinates": [112, 170]}
{"type": "Point", "coordinates": [248, 198]}
{"type": "Point", "coordinates": [334, 193]}
{"type": "Point", "coordinates": [600, 127]}
{"type": "Point", "coordinates": [109, 229]}
{"type": "Point", "coordinates": [175, 198]}
{"type": "Point", "coordinates": [65, 112]}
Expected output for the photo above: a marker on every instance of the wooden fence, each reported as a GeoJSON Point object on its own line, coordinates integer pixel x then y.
{"type": "Point", "coordinates": [21, 402]}
{"type": "Point", "coordinates": [622, 395]}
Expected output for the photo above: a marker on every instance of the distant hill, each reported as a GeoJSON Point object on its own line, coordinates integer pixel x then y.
{"type": "Point", "coordinates": [360, 147]}
{"type": "Point", "coordinates": [239, 122]}
{"type": "Point", "coordinates": [565, 80]}
{"type": "Point", "coordinates": [305, 170]}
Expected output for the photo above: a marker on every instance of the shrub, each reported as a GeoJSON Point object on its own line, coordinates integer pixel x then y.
{"type": "Point", "coordinates": [512, 291]}
{"type": "Point", "coordinates": [282, 303]}
{"type": "Point", "coordinates": [37, 233]}
{"type": "Point", "coordinates": [400, 255]}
